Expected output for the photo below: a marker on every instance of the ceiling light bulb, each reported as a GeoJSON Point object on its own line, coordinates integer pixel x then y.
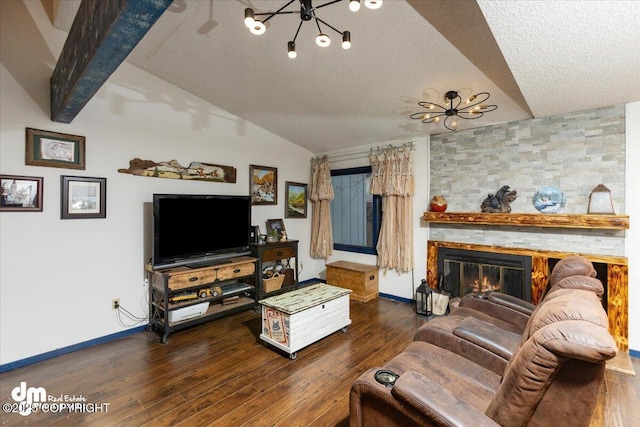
{"type": "Point", "coordinates": [427, 116]}
{"type": "Point", "coordinates": [323, 40]}
{"type": "Point", "coordinates": [291, 50]}
{"type": "Point", "coordinates": [249, 18]}
{"type": "Point", "coordinates": [346, 40]}
{"type": "Point", "coordinates": [258, 28]}
{"type": "Point", "coordinates": [373, 4]}
{"type": "Point", "coordinates": [454, 125]}
{"type": "Point", "coordinates": [354, 5]}
{"type": "Point", "coordinates": [471, 99]}
{"type": "Point", "coordinates": [437, 119]}
{"type": "Point", "coordinates": [431, 107]}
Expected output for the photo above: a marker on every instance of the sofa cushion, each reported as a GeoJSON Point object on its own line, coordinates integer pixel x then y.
{"type": "Point", "coordinates": [568, 304]}
{"type": "Point", "coordinates": [579, 282]}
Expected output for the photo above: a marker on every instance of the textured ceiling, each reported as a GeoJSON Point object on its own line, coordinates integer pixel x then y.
{"type": "Point", "coordinates": [558, 57]}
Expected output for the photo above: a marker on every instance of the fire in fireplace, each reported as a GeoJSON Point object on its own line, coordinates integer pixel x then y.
{"type": "Point", "coordinates": [463, 272]}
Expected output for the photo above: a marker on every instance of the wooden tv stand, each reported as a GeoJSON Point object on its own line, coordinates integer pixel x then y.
{"type": "Point", "coordinates": [180, 297]}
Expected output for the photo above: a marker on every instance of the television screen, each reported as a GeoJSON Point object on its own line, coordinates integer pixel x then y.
{"type": "Point", "coordinates": [196, 229]}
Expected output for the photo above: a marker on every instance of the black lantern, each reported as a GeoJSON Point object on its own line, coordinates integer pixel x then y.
{"type": "Point", "coordinates": [424, 299]}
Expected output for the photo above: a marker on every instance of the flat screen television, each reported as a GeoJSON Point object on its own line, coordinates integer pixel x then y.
{"type": "Point", "coordinates": [193, 229]}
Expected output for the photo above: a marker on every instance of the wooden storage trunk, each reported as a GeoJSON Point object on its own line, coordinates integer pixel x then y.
{"type": "Point", "coordinates": [362, 279]}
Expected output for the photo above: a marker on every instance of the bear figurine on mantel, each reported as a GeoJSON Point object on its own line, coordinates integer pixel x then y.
{"type": "Point", "coordinates": [500, 202]}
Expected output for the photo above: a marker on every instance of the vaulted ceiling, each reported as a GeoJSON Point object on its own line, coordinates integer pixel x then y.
{"type": "Point", "coordinates": [536, 58]}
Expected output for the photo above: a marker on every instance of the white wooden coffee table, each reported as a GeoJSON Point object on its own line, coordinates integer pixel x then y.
{"type": "Point", "coordinates": [299, 318]}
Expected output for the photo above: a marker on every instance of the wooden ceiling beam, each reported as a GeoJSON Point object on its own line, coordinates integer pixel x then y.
{"type": "Point", "coordinates": [103, 34]}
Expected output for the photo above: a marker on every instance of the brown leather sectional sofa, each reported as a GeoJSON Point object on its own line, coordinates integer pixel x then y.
{"type": "Point", "coordinates": [480, 365]}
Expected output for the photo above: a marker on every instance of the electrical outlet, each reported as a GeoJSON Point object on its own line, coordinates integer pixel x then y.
{"type": "Point", "coordinates": [115, 303]}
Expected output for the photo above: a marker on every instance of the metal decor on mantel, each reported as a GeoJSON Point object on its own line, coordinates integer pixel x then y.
{"type": "Point", "coordinates": [473, 109]}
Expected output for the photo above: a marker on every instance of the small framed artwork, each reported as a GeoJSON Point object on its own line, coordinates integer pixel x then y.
{"type": "Point", "coordinates": [296, 195]}
{"type": "Point", "coordinates": [264, 185]}
{"type": "Point", "coordinates": [276, 226]}
{"type": "Point", "coordinates": [83, 197]}
{"type": "Point", "coordinates": [53, 149]}
{"type": "Point", "coordinates": [21, 193]}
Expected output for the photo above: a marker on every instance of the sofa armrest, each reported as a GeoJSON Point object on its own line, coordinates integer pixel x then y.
{"type": "Point", "coordinates": [512, 302]}
{"type": "Point", "coordinates": [498, 341]}
{"type": "Point", "coordinates": [437, 403]}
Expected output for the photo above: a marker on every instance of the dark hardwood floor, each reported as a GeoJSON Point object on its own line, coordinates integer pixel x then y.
{"type": "Point", "coordinates": [221, 374]}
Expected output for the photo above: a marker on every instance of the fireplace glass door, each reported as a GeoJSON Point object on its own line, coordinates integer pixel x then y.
{"type": "Point", "coordinates": [473, 278]}
{"type": "Point", "coordinates": [465, 272]}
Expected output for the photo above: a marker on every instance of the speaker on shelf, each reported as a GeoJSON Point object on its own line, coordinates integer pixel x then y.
{"type": "Point", "coordinates": [255, 233]}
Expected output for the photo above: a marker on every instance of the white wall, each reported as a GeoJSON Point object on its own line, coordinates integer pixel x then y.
{"type": "Point", "coordinates": [392, 283]}
{"type": "Point", "coordinates": [58, 277]}
{"type": "Point", "coordinates": [633, 210]}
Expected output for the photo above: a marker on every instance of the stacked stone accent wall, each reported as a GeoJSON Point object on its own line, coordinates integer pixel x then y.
{"type": "Point", "coordinates": [575, 152]}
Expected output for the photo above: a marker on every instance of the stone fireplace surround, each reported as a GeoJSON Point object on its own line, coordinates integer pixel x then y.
{"type": "Point", "coordinates": [616, 292]}
{"type": "Point", "coordinates": [575, 152]}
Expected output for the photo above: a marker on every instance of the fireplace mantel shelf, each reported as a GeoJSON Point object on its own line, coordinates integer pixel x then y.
{"type": "Point", "coordinates": [610, 222]}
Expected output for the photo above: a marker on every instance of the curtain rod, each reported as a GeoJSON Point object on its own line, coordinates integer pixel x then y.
{"type": "Point", "coordinates": [366, 154]}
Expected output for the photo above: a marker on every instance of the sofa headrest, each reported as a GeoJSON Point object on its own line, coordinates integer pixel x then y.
{"type": "Point", "coordinates": [568, 304]}
{"type": "Point", "coordinates": [573, 265]}
{"type": "Point", "coordinates": [579, 282]}
{"type": "Point", "coordinates": [577, 339]}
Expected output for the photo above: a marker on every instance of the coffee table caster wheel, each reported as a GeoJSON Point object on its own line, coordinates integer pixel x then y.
{"type": "Point", "coordinates": [344, 329]}
{"type": "Point", "coordinates": [293, 355]}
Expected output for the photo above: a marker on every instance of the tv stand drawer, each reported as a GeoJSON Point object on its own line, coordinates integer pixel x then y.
{"type": "Point", "coordinates": [235, 271]}
{"type": "Point", "coordinates": [188, 279]}
{"type": "Point", "coordinates": [278, 253]}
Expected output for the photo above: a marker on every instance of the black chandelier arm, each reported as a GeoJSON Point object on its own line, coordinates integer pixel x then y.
{"type": "Point", "coordinates": [277, 12]}
{"type": "Point", "coordinates": [482, 109]}
{"type": "Point", "coordinates": [426, 104]}
{"type": "Point", "coordinates": [445, 124]}
{"type": "Point", "coordinates": [471, 115]}
{"type": "Point", "coordinates": [298, 30]}
{"type": "Point", "coordinates": [325, 23]}
{"type": "Point", "coordinates": [479, 102]}
{"type": "Point", "coordinates": [451, 107]}
{"type": "Point", "coordinates": [420, 116]}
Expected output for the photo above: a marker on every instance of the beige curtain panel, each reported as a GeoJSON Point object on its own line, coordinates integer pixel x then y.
{"type": "Point", "coordinates": [320, 195]}
{"type": "Point", "coordinates": [392, 178]}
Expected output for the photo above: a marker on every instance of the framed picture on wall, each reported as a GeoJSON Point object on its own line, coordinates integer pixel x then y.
{"type": "Point", "coordinates": [21, 193]}
{"type": "Point", "coordinates": [54, 149]}
{"type": "Point", "coordinates": [264, 185]}
{"type": "Point", "coordinates": [296, 195]}
{"type": "Point", "coordinates": [83, 197]}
